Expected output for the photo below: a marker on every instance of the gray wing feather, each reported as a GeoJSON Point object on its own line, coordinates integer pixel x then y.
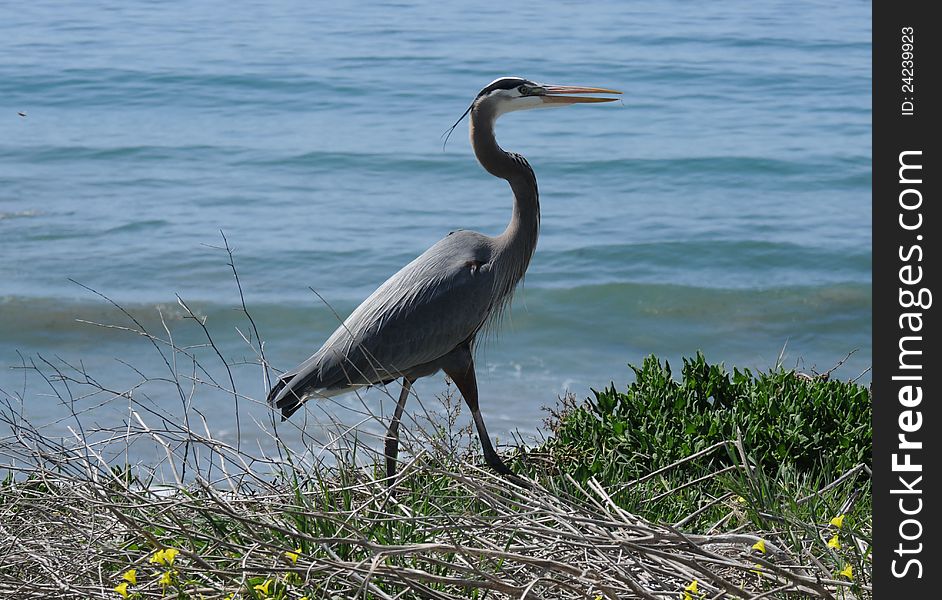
{"type": "Point", "coordinates": [433, 304]}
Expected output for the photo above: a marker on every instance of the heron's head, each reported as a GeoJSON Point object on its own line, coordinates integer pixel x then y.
{"type": "Point", "coordinates": [508, 94]}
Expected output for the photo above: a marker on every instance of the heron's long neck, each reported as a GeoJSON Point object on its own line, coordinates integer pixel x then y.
{"type": "Point", "coordinates": [518, 241]}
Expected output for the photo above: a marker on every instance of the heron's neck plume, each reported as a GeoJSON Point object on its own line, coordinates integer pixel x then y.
{"type": "Point", "coordinates": [518, 241]}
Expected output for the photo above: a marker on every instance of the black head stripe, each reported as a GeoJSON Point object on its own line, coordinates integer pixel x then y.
{"type": "Point", "coordinates": [504, 83]}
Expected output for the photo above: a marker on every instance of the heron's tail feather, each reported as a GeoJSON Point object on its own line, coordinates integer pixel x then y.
{"type": "Point", "coordinates": [294, 389]}
{"type": "Point", "coordinates": [280, 385]}
{"type": "Point", "coordinates": [288, 402]}
{"type": "Point", "coordinates": [289, 405]}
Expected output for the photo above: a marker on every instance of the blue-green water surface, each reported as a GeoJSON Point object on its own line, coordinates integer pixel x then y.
{"type": "Point", "coordinates": [723, 205]}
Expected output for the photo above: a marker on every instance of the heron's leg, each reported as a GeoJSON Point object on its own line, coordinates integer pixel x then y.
{"type": "Point", "coordinates": [392, 434]}
{"type": "Point", "coordinates": [466, 382]}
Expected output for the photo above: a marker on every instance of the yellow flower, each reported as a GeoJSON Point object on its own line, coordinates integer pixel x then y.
{"type": "Point", "coordinates": [122, 588]}
{"type": "Point", "coordinates": [847, 571]}
{"type": "Point", "coordinates": [757, 569]}
{"type": "Point", "coordinates": [293, 556]}
{"type": "Point", "coordinates": [130, 576]}
{"type": "Point", "coordinates": [834, 543]}
{"type": "Point", "coordinates": [740, 500]}
{"type": "Point", "coordinates": [166, 579]}
{"type": "Point", "coordinates": [689, 591]}
{"type": "Point", "coordinates": [760, 546]}
{"type": "Point", "coordinates": [838, 521]}
{"type": "Point", "coordinates": [165, 556]}
{"type": "Point", "coordinates": [263, 587]}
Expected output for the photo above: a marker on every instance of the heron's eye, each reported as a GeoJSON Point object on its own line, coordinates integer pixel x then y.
{"type": "Point", "coordinates": [524, 90]}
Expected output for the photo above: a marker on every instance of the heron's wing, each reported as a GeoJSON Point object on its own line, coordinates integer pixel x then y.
{"type": "Point", "coordinates": [418, 315]}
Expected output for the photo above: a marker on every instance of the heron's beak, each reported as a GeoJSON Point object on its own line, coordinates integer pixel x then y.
{"type": "Point", "coordinates": [552, 95]}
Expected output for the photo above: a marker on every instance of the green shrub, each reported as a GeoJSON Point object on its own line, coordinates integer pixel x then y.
{"type": "Point", "coordinates": [820, 427]}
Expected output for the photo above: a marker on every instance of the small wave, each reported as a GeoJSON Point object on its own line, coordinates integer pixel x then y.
{"type": "Point", "coordinates": [708, 263]}
{"type": "Point", "coordinates": [365, 162]}
{"type": "Point", "coordinates": [54, 314]}
{"type": "Point", "coordinates": [722, 172]}
{"type": "Point", "coordinates": [764, 43]}
{"type": "Point", "coordinates": [142, 87]}
{"type": "Point", "coordinates": [681, 299]}
{"type": "Point", "coordinates": [20, 214]}
{"type": "Point", "coordinates": [52, 154]}
{"type": "Point", "coordinates": [137, 226]}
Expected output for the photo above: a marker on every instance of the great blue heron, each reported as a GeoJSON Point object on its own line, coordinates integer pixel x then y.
{"type": "Point", "coordinates": [425, 318]}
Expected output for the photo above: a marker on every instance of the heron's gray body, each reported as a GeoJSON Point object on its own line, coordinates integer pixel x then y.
{"type": "Point", "coordinates": [426, 317]}
{"type": "Point", "coordinates": [408, 326]}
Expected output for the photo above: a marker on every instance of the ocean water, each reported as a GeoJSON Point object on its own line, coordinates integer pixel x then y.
{"type": "Point", "coordinates": [722, 206]}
